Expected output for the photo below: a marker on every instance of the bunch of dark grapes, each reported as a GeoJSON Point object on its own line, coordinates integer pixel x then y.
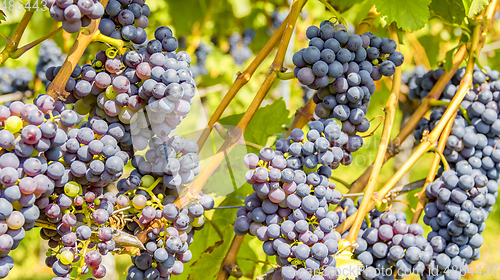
{"type": "Point", "coordinates": [289, 210]}
{"type": "Point", "coordinates": [126, 20]}
{"type": "Point", "coordinates": [13, 80]}
{"type": "Point", "coordinates": [49, 55]}
{"type": "Point", "coordinates": [201, 53]}
{"type": "Point", "coordinates": [343, 68]}
{"type": "Point", "coordinates": [277, 18]}
{"type": "Point", "coordinates": [239, 46]}
{"type": "Point", "coordinates": [391, 245]}
{"type": "Point", "coordinates": [74, 14]}
{"type": "Point", "coordinates": [463, 196]}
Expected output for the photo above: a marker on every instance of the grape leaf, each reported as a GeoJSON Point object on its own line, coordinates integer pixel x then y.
{"type": "Point", "coordinates": [408, 15]}
{"type": "Point", "coordinates": [267, 121]}
{"type": "Point", "coordinates": [472, 7]}
{"type": "Point", "coordinates": [452, 11]}
{"type": "Point", "coordinates": [347, 267]}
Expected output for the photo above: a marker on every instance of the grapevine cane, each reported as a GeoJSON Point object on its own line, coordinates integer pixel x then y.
{"type": "Point", "coordinates": [390, 114]}
{"type": "Point", "coordinates": [241, 80]}
{"type": "Point", "coordinates": [422, 199]}
{"type": "Point", "coordinates": [19, 51]}
{"type": "Point", "coordinates": [10, 47]}
{"type": "Point", "coordinates": [56, 88]}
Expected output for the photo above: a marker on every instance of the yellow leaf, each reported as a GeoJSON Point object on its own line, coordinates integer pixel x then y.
{"type": "Point", "coordinates": [347, 267]}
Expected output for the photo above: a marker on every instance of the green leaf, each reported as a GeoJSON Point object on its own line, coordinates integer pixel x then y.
{"type": "Point", "coordinates": [408, 15]}
{"type": "Point", "coordinates": [452, 11]}
{"type": "Point", "coordinates": [268, 121]}
{"type": "Point", "coordinates": [472, 7]}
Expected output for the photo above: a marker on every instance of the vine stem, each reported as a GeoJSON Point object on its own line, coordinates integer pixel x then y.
{"type": "Point", "coordinates": [360, 183]}
{"type": "Point", "coordinates": [304, 114]}
{"type": "Point", "coordinates": [56, 89]}
{"type": "Point", "coordinates": [430, 141]}
{"type": "Point", "coordinates": [230, 256]}
{"type": "Point", "coordinates": [20, 51]}
{"type": "Point", "coordinates": [422, 199]}
{"type": "Point", "coordinates": [390, 114]}
{"type": "Point", "coordinates": [241, 80]}
{"type": "Point", "coordinates": [11, 46]}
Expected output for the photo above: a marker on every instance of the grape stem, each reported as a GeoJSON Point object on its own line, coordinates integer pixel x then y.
{"type": "Point", "coordinates": [20, 51]}
{"type": "Point", "coordinates": [367, 22]}
{"type": "Point", "coordinates": [390, 114]}
{"type": "Point", "coordinates": [56, 89]}
{"type": "Point", "coordinates": [14, 41]}
{"type": "Point", "coordinates": [286, 75]}
{"type": "Point", "coordinates": [393, 149]}
{"type": "Point", "coordinates": [334, 12]}
{"type": "Point", "coordinates": [443, 158]}
{"type": "Point", "coordinates": [436, 102]}
{"type": "Point", "coordinates": [118, 44]}
{"type": "Point", "coordinates": [422, 198]}
{"type": "Point", "coordinates": [253, 145]}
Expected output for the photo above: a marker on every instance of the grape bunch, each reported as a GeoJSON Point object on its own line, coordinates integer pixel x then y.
{"type": "Point", "coordinates": [289, 210]}
{"type": "Point", "coordinates": [343, 68]}
{"type": "Point", "coordinates": [74, 14]}
{"type": "Point", "coordinates": [463, 196]}
{"type": "Point", "coordinates": [158, 178]}
{"type": "Point", "coordinates": [201, 53]}
{"type": "Point", "coordinates": [49, 55]}
{"type": "Point", "coordinates": [277, 18]}
{"type": "Point", "coordinates": [481, 80]}
{"type": "Point", "coordinates": [126, 20]}
{"type": "Point", "coordinates": [27, 176]}
{"type": "Point", "coordinates": [148, 91]}
{"type": "Point", "coordinates": [13, 80]}
{"type": "Point", "coordinates": [391, 245]}
{"type": "Point", "coordinates": [239, 46]}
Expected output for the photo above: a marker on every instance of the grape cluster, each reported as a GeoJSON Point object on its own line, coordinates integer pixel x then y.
{"type": "Point", "coordinates": [333, 53]}
{"type": "Point", "coordinates": [239, 46]}
{"type": "Point", "coordinates": [49, 55]}
{"type": "Point", "coordinates": [159, 178]}
{"type": "Point", "coordinates": [289, 210]}
{"type": "Point", "coordinates": [461, 199]}
{"type": "Point", "coordinates": [13, 80]}
{"type": "Point", "coordinates": [148, 91]}
{"type": "Point", "coordinates": [201, 53]}
{"type": "Point", "coordinates": [27, 175]}
{"type": "Point", "coordinates": [481, 80]}
{"type": "Point", "coordinates": [277, 18]}
{"type": "Point", "coordinates": [126, 20]}
{"type": "Point", "coordinates": [343, 69]}
{"type": "Point", "coordinates": [391, 245]}
{"type": "Point", "coordinates": [74, 14]}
